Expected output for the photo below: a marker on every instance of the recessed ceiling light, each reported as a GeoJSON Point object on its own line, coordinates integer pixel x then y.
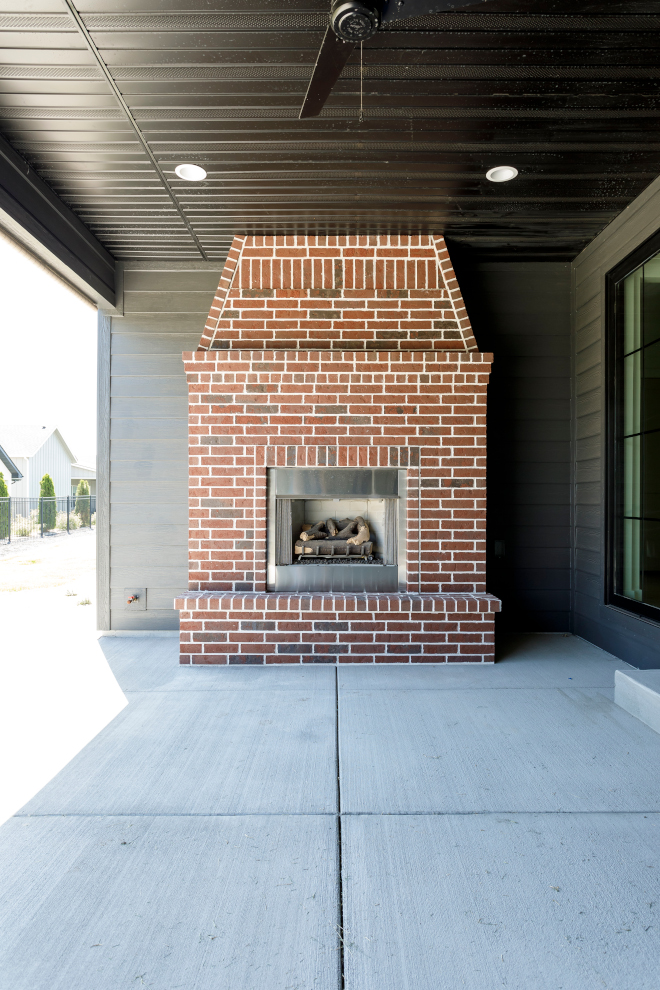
{"type": "Point", "coordinates": [192, 173]}
{"type": "Point", "coordinates": [501, 173]}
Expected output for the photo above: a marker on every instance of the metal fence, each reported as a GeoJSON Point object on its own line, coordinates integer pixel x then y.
{"type": "Point", "coordinates": [20, 517]}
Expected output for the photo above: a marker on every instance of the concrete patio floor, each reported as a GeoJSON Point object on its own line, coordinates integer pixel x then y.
{"type": "Point", "coordinates": [492, 826]}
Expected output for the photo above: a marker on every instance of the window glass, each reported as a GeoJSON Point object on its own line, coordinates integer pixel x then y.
{"type": "Point", "coordinates": [650, 389]}
{"type": "Point", "coordinates": [651, 476]}
{"type": "Point", "coordinates": [637, 436]}
{"type": "Point", "coordinates": [632, 393]}
{"type": "Point", "coordinates": [652, 563]}
{"type": "Point", "coordinates": [651, 300]}
{"type": "Point", "coordinates": [632, 290]}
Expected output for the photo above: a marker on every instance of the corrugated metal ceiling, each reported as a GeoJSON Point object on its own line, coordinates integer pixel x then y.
{"type": "Point", "coordinates": [568, 93]}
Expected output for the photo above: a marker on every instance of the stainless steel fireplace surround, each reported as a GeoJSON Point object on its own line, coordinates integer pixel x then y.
{"type": "Point", "coordinates": [299, 495]}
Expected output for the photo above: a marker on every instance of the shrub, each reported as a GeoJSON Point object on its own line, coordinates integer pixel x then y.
{"type": "Point", "coordinates": [25, 525]}
{"type": "Point", "coordinates": [74, 522]}
{"type": "Point", "coordinates": [49, 507]}
{"type": "Point", "coordinates": [4, 492]}
{"type": "Point", "coordinates": [83, 502]}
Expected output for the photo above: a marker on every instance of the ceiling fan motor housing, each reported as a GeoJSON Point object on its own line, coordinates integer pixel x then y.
{"type": "Point", "coordinates": [353, 20]}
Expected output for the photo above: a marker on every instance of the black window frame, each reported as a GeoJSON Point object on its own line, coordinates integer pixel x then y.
{"type": "Point", "coordinates": [614, 412]}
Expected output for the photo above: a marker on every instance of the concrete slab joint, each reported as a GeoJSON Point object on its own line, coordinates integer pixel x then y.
{"type": "Point", "coordinates": [433, 826]}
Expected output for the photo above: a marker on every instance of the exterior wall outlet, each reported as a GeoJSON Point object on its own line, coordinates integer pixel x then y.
{"type": "Point", "coordinates": [135, 599]}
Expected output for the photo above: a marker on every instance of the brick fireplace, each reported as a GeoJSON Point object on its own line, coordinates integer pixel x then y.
{"type": "Point", "coordinates": [337, 376]}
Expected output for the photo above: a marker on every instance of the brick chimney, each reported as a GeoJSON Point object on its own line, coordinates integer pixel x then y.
{"type": "Point", "coordinates": [323, 353]}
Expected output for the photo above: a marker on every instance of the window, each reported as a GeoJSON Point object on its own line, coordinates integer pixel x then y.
{"type": "Point", "coordinates": [634, 502]}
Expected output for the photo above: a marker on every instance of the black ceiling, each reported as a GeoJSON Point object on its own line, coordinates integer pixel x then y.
{"type": "Point", "coordinates": [567, 92]}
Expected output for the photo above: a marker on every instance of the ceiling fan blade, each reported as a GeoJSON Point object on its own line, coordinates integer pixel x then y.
{"type": "Point", "coordinates": [333, 56]}
{"type": "Point", "coordinates": [399, 10]}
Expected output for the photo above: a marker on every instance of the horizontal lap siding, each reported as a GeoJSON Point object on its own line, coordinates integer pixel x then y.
{"type": "Point", "coordinates": [164, 314]}
{"type": "Point", "coordinates": [633, 639]}
{"type": "Point", "coordinates": [521, 312]}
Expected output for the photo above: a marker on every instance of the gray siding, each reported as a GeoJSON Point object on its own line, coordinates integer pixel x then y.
{"type": "Point", "coordinates": [164, 313]}
{"type": "Point", "coordinates": [634, 639]}
{"type": "Point", "coordinates": [521, 312]}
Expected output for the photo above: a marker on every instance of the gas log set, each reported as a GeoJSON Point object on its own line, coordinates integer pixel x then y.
{"type": "Point", "coordinates": [329, 538]}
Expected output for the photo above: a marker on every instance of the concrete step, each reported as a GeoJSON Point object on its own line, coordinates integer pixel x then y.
{"type": "Point", "coordinates": [639, 693]}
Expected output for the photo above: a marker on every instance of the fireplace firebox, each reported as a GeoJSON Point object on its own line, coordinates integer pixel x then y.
{"type": "Point", "coordinates": [336, 529]}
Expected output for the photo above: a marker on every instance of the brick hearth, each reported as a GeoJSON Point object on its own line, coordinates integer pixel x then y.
{"type": "Point", "coordinates": [388, 377]}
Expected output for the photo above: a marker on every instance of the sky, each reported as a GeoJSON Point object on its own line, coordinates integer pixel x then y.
{"type": "Point", "coordinates": [47, 352]}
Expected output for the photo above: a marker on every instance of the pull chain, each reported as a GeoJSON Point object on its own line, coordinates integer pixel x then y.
{"type": "Point", "coordinates": [361, 117]}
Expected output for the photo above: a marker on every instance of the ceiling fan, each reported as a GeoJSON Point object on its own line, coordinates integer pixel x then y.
{"type": "Point", "coordinates": [354, 21]}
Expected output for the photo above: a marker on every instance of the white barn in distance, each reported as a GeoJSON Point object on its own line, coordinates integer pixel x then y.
{"type": "Point", "coordinates": [40, 450]}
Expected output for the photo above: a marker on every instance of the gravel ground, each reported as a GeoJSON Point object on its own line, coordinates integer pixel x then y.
{"type": "Point", "coordinates": [49, 563]}
{"type": "Point", "coordinates": [27, 544]}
